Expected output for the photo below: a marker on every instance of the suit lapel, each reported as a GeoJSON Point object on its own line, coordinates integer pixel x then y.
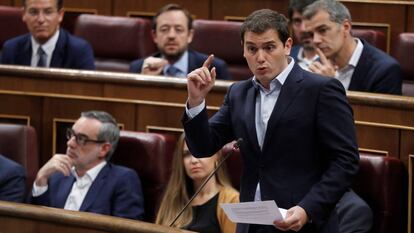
{"type": "Point", "coordinates": [95, 188]}
{"type": "Point", "coordinates": [25, 54]}
{"type": "Point", "coordinates": [64, 190]}
{"type": "Point", "coordinates": [58, 53]}
{"type": "Point", "coordinates": [191, 61]}
{"type": "Point", "coordinates": [287, 94]}
{"type": "Point", "coordinates": [361, 70]}
{"type": "Point", "coordinates": [250, 115]}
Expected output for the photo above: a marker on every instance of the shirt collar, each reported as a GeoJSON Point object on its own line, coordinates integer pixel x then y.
{"type": "Point", "coordinates": [281, 77]}
{"type": "Point", "coordinates": [301, 57]}
{"type": "Point", "coordinates": [91, 173]}
{"type": "Point", "coordinates": [357, 53]}
{"type": "Point", "coordinates": [48, 47]}
{"type": "Point", "coordinates": [181, 64]}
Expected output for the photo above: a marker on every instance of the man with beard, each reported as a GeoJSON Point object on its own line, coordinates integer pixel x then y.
{"type": "Point", "coordinates": [172, 33]}
{"type": "Point", "coordinates": [353, 61]}
{"type": "Point", "coordinates": [303, 51]}
{"type": "Point", "coordinates": [83, 180]}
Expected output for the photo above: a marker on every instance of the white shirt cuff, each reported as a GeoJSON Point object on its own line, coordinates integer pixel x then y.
{"type": "Point", "coordinates": [194, 111]}
{"type": "Point", "coordinates": [38, 190]}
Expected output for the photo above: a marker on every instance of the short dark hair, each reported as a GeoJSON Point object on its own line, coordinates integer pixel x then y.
{"type": "Point", "coordinates": [298, 5]}
{"type": "Point", "coordinates": [337, 11]}
{"type": "Point", "coordinates": [262, 20]}
{"type": "Point", "coordinates": [109, 130]}
{"type": "Point", "coordinates": [173, 7]}
{"type": "Point", "coordinates": [59, 4]}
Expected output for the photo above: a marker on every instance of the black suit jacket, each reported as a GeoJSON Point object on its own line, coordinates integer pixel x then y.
{"type": "Point", "coordinates": [309, 154]}
{"type": "Point", "coordinates": [195, 60]}
{"type": "Point", "coordinates": [12, 180]}
{"type": "Point", "coordinates": [376, 72]}
{"type": "Point", "coordinates": [70, 52]}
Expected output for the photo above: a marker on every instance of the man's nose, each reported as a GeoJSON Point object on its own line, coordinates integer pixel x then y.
{"type": "Point", "coordinates": [71, 142]}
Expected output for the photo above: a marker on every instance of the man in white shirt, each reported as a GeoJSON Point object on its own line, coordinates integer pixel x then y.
{"type": "Point", "coordinates": [47, 45]}
{"type": "Point", "coordinates": [83, 180]}
{"type": "Point", "coordinates": [357, 64]}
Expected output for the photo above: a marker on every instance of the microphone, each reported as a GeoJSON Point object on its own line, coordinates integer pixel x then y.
{"type": "Point", "coordinates": [236, 146]}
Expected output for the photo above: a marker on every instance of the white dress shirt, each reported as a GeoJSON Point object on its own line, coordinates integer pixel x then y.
{"type": "Point", "coordinates": [79, 188]}
{"type": "Point", "coordinates": [344, 75]}
{"type": "Point", "coordinates": [48, 47]}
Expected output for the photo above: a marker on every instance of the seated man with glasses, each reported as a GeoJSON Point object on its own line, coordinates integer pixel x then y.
{"type": "Point", "coordinates": [46, 44]}
{"type": "Point", "coordinates": [83, 180]}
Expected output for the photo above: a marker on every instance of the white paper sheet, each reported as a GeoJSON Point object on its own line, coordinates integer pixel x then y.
{"type": "Point", "coordinates": [258, 212]}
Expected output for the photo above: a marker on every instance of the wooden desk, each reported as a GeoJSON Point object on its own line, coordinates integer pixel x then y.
{"type": "Point", "coordinates": [25, 218]}
{"type": "Point", "coordinates": [49, 98]}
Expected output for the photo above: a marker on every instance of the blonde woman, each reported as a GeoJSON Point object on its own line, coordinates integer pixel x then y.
{"type": "Point", "coordinates": [204, 213]}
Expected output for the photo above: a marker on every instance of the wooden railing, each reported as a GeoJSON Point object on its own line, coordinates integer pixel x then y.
{"type": "Point", "coordinates": [25, 218]}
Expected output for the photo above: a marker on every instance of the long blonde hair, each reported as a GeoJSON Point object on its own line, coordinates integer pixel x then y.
{"type": "Point", "coordinates": [180, 189]}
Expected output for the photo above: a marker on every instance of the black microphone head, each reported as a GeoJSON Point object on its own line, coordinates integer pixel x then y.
{"type": "Point", "coordinates": [238, 143]}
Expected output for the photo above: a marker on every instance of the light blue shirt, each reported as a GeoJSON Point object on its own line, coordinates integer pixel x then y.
{"type": "Point", "coordinates": [181, 64]}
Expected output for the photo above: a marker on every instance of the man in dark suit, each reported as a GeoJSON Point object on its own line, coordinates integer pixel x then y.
{"type": "Point", "coordinates": [12, 180]}
{"type": "Point", "coordinates": [172, 33]}
{"type": "Point", "coordinates": [83, 180]}
{"type": "Point", "coordinates": [46, 45]}
{"type": "Point", "coordinates": [354, 213]}
{"type": "Point", "coordinates": [295, 152]}
{"type": "Point", "coordinates": [357, 64]}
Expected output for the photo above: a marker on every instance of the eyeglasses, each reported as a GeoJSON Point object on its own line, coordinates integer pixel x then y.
{"type": "Point", "coordinates": [81, 139]}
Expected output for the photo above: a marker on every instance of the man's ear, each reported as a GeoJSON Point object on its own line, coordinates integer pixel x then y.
{"type": "Point", "coordinates": [347, 25]}
{"type": "Point", "coordinates": [288, 46]}
{"type": "Point", "coordinates": [190, 36]}
{"type": "Point", "coordinates": [106, 147]}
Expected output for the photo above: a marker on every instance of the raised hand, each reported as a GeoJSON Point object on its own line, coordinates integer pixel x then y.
{"type": "Point", "coordinates": [325, 67]}
{"type": "Point", "coordinates": [58, 163]}
{"type": "Point", "coordinates": [153, 66]}
{"type": "Point", "coordinates": [200, 82]}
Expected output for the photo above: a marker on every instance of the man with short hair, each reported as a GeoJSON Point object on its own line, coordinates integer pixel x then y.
{"type": "Point", "coordinates": [12, 180]}
{"type": "Point", "coordinates": [83, 180]}
{"type": "Point", "coordinates": [294, 151]}
{"type": "Point", "coordinates": [357, 64]}
{"type": "Point", "coordinates": [47, 45]}
{"type": "Point", "coordinates": [353, 212]}
{"type": "Point", "coordinates": [172, 33]}
{"type": "Point", "coordinates": [303, 51]}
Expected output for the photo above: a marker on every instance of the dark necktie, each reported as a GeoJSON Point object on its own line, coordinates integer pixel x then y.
{"type": "Point", "coordinates": [172, 71]}
{"type": "Point", "coordinates": [42, 57]}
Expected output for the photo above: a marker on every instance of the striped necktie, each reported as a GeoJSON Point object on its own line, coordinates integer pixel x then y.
{"type": "Point", "coordinates": [42, 57]}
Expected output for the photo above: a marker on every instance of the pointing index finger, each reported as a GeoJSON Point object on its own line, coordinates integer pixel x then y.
{"type": "Point", "coordinates": [322, 56]}
{"type": "Point", "coordinates": [207, 63]}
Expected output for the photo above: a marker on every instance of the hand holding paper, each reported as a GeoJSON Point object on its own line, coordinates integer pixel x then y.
{"type": "Point", "coordinates": [259, 212]}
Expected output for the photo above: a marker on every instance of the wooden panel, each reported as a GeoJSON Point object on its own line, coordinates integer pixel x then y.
{"type": "Point", "coordinates": [391, 14]}
{"type": "Point", "coordinates": [200, 9]}
{"type": "Point", "coordinates": [243, 8]}
{"type": "Point", "coordinates": [410, 19]}
{"type": "Point", "coordinates": [6, 2]}
{"type": "Point", "coordinates": [410, 193]}
{"type": "Point", "coordinates": [22, 218]}
{"type": "Point", "coordinates": [388, 141]}
{"type": "Point", "coordinates": [63, 108]}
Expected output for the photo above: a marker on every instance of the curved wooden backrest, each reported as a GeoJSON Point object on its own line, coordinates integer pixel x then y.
{"type": "Point", "coordinates": [18, 218]}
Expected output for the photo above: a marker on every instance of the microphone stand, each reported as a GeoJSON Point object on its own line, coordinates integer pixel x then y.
{"type": "Point", "coordinates": [235, 147]}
